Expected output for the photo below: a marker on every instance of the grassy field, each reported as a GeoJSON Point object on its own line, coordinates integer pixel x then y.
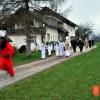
{"type": "Point", "coordinates": [71, 80]}
{"type": "Point", "coordinates": [20, 58]}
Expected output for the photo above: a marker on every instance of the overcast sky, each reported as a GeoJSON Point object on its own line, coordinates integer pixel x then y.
{"type": "Point", "coordinates": [85, 11]}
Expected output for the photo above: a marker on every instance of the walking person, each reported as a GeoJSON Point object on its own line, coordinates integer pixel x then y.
{"type": "Point", "coordinates": [81, 44]}
{"type": "Point", "coordinates": [90, 43]}
{"type": "Point", "coordinates": [49, 49]}
{"type": "Point", "coordinates": [57, 49]}
{"type": "Point", "coordinates": [6, 53]}
{"type": "Point", "coordinates": [61, 48]}
{"type": "Point", "coordinates": [86, 44]}
{"type": "Point", "coordinates": [43, 51]}
{"type": "Point", "coordinates": [74, 44]}
{"type": "Point", "coordinates": [67, 49]}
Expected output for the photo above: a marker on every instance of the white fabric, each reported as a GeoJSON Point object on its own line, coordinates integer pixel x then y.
{"type": "Point", "coordinates": [61, 48]}
{"type": "Point", "coordinates": [43, 56]}
{"type": "Point", "coordinates": [51, 47]}
{"type": "Point", "coordinates": [68, 41]}
{"type": "Point", "coordinates": [71, 51]}
{"type": "Point", "coordinates": [49, 50]}
{"type": "Point", "coordinates": [57, 50]}
{"type": "Point", "coordinates": [67, 53]}
{"type": "Point", "coordinates": [43, 51]}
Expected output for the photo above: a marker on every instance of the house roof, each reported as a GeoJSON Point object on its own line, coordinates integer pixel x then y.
{"type": "Point", "coordinates": [48, 11]}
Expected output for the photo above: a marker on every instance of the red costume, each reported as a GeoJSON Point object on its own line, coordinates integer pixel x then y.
{"type": "Point", "coordinates": [6, 58]}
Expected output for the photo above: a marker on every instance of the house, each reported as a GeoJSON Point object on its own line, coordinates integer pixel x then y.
{"type": "Point", "coordinates": [45, 25]}
{"type": "Point", "coordinates": [55, 20]}
{"type": "Point", "coordinates": [16, 28]}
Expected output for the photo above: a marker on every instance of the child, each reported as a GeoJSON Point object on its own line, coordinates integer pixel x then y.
{"type": "Point", "coordinates": [43, 51]}
{"type": "Point", "coordinates": [57, 49]}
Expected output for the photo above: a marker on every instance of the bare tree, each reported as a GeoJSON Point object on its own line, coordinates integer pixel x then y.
{"type": "Point", "coordinates": [53, 4]}
{"type": "Point", "coordinates": [84, 30]}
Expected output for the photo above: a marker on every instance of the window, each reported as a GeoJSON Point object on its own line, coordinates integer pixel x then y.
{"type": "Point", "coordinates": [33, 39]}
{"type": "Point", "coordinates": [18, 26]}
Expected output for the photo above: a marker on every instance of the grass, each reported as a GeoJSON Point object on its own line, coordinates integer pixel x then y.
{"type": "Point", "coordinates": [71, 80]}
{"type": "Point", "coordinates": [20, 58]}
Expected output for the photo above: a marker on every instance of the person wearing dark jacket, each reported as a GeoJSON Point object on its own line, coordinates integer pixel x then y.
{"type": "Point", "coordinates": [81, 44]}
{"type": "Point", "coordinates": [74, 44]}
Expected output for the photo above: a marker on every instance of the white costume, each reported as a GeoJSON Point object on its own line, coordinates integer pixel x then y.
{"type": "Point", "coordinates": [61, 48]}
{"type": "Point", "coordinates": [57, 49]}
{"type": "Point", "coordinates": [43, 51]}
{"type": "Point", "coordinates": [49, 49]}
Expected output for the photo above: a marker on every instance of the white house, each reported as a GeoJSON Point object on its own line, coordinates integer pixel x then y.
{"type": "Point", "coordinates": [58, 25]}
{"type": "Point", "coordinates": [46, 25]}
{"type": "Point", "coordinates": [17, 29]}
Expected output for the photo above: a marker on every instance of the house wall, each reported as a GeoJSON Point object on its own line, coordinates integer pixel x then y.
{"type": "Point", "coordinates": [19, 40]}
{"type": "Point", "coordinates": [65, 25]}
{"type": "Point", "coordinates": [37, 23]}
{"type": "Point", "coordinates": [19, 26]}
{"type": "Point", "coordinates": [70, 29]}
{"type": "Point", "coordinates": [53, 33]}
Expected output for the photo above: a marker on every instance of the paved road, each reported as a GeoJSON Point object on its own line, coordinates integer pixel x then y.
{"type": "Point", "coordinates": [23, 71]}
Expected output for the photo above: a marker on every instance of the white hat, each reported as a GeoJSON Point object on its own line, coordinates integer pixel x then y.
{"type": "Point", "coordinates": [2, 33]}
{"type": "Point", "coordinates": [67, 38]}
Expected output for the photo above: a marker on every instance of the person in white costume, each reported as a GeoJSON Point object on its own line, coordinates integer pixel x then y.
{"type": "Point", "coordinates": [43, 51]}
{"type": "Point", "coordinates": [49, 49]}
{"type": "Point", "coordinates": [52, 46]}
{"type": "Point", "coordinates": [61, 48]}
{"type": "Point", "coordinates": [57, 49]}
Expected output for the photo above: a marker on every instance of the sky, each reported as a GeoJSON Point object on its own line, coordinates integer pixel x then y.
{"type": "Point", "coordinates": [85, 11]}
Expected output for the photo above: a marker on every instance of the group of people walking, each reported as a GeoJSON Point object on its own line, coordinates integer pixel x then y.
{"type": "Point", "coordinates": [65, 48]}
{"type": "Point", "coordinates": [61, 49]}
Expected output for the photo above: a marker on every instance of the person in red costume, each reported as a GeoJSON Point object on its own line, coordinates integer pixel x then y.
{"type": "Point", "coordinates": [6, 53]}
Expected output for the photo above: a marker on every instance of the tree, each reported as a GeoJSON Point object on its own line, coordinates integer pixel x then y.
{"type": "Point", "coordinates": [52, 3]}
{"type": "Point", "coordinates": [84, 30]}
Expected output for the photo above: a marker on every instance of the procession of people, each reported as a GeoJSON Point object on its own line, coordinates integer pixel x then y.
{"type": "Point", "coordinates": [61, 48]}
{"type": "Point", "coordinates": [65, 48]}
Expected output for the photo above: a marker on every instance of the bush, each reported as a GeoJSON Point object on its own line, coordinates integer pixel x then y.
{"type": "Point", "coordinates": [22, 49]}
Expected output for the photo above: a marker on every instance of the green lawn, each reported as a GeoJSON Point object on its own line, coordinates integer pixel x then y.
{"type": "Point", "coordinates": [71, 80]}
{"type": "Point", "coordinates": [20, 59]}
